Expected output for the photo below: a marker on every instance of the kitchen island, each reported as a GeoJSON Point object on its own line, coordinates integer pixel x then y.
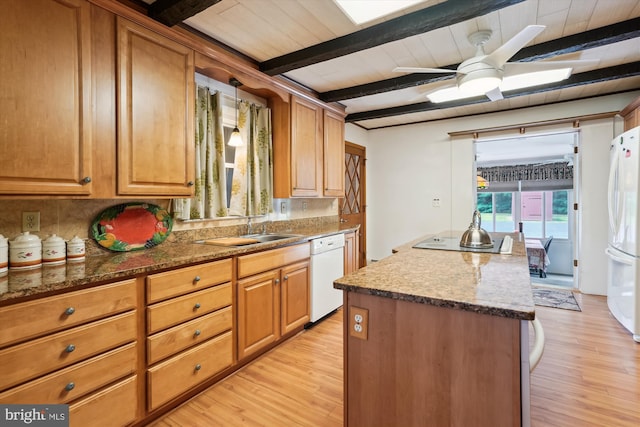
{"type": "Point", "coordinates": [439, 338]}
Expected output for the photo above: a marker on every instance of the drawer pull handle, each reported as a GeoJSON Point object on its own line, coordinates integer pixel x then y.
{"type": "Point", "coordinates": [69, 311]}
{"type": "Point", "coordinates": [70, 348]}
{"type": "Point", "coordinates": [196, 279]}
{"type": "Point", "coordinates": [198, 367]}
{"type": "Point", "coordinates": [197, 305]}
{"type": "Point", "coordinates": [70, 386]}
{"type": "Point", "coordinates": [197, 332]}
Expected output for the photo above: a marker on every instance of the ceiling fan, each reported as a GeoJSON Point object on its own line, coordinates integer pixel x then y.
{"type": "Point", "coordinates": [491, 74]}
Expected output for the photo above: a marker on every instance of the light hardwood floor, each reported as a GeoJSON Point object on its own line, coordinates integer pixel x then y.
{"type": "Point", "coordinates": [589, 375]}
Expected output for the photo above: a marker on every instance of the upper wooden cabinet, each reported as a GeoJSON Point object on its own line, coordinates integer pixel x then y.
{"type": "Point", "coordinates": [155, 86]}
{"type": "Point", "coordinates": [333, 155]}
{"type": "Point", "coordinates": [308, 149]}
{"type": "Point", "coordinates": [45, 86]}
{"type": "Point", "coordinates": [631, 114]}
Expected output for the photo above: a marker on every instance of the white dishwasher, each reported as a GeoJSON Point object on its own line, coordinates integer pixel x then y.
{"type": "Point", "coordinates": [327, 265]}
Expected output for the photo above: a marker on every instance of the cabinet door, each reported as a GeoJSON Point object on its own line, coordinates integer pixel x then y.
{"type": "Point", "coordinates": [258, 312]}
{"type": "Point", "coordinates": [155, 84]}
{"type": "Point", "coordinates": [306, 148]}
{"type": "Point", "coordinates": [333, 155]}
{"type": "Point", "coordinates": [45, 136]}
{"type": "Point", "coordinates": [350, 253]}
{"type": "Point", "coordinates": [294, 296]}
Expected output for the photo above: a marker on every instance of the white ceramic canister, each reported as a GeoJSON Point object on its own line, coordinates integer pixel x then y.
{"type": "Point", "coordinates": [75, 249]}
{"type": "Point", "coordinates": [25, 251]}
{"type": "Point", "coordinates": [4, 253]}
{"type": "Point", "coordinates": [53, 250]}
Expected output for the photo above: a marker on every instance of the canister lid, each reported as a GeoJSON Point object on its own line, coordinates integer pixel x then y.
{"type": "Point", "coordinates": [76, 241]}
{"type": "Point", "coordinates": [53, 240]}
{"type": "Point", "coordinates": [3, 240]}
{"type": "Point", "coordinates": [26, 239]}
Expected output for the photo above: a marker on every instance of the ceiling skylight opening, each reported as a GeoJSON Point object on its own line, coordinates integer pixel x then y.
{"type": "Point", "coordinates": [361, 11]}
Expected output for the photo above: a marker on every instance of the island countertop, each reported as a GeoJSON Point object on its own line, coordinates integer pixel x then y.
{"type": "Point", "coordinates": [485, 283]}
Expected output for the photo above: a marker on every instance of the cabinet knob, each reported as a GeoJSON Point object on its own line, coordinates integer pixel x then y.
{"type": "Point", "coordinates": [286, 277]}
{"type": "Point", "coordinates": [196, 279]}
{"type": "Point", "coordinates": [197, 332]}
{"type": "Point", "coordinates": [86, 180]}
{"type": "Point", "coordinates": [198, 367]}
{"type": "Point", "coordinates": [277, 281]}
{"type": "Point", "coordinates": [197, 305]}
{"type": "Point", "coordinates": [70, 386]}
{"type": "Point", "coordinates": [70, 348]}
{"type": "Point", "coordinates": [190, 184]}
{"type": "Point", "coordinates": [69, 311]}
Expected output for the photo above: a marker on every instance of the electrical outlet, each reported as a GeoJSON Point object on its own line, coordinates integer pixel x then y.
{"type": "Point", "coordinates": [304, 206]}
{"type": "Point", "coordinates": [30, 221]}
{"type": "Point", "coordinates": [359, 322]}
{"type": "Point", "coordinates": [283, 207]}
{"type": "Point", "coordinates": [436, 202]}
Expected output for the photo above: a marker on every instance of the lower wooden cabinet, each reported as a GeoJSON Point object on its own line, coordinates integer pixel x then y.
{"type": "Point", "coordinates": [114, 406]}
{"type": "Point", "coordinates": [187, 369]}
{"type": "Point", "coordinates": [351, 252]}
{"type": "Point", "coordinates": [274, 302]}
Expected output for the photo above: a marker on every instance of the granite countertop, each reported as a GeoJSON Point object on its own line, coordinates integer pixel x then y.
{"type": "Point", "coordinates": [485, 283]}
{"type": "Point", "coordinates": [20, 285]}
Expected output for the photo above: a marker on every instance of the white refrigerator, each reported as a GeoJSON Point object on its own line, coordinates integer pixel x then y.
{"type": "Point", "coordinates": [623, 250]}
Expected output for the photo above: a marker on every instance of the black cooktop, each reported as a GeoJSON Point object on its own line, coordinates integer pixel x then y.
{"type": "Point", "coordinates": [453, 244]}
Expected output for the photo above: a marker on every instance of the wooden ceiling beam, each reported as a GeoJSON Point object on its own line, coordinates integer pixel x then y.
{"type": "Point", "coordinates": [631, 69]}
{"type": "Point", "coordinates": [172, 12]}
{"type": "Point", "coordinates": [422, 21]}
{"type": "Point", "coordinates": [587, 40]}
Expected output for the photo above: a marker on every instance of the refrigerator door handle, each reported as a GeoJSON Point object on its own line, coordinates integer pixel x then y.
{"type": "Point", "coordinates": [617, 258]}
{"type": "Point", "coordinates": [613, 171]}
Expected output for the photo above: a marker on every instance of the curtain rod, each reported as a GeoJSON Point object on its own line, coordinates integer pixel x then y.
{"type": "Point", "coordinates": [522, 127]}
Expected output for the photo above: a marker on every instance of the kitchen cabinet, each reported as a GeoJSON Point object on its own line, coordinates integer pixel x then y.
{"type": "Point", "coordinates": [333, 154]}
{"type": "Point", "coordinates": [78, 347]}
{"type": "Point", "coordinates": [308, 144]}
{"type": "Point", "coordinates": [189, 328]}
{"type": "Point", "coordinates": [45, 52]}
{"type": "Point", "coordinates": [351, 252]}
{"type": "Point", "coordinates": [631, 114]}
{"type": "Point", "coordinates": [272, 295]}
{"type": "Point", "coordinates": [155, 87]}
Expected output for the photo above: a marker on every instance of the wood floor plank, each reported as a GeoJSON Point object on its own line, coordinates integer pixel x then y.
{"type": "Point", "coordinates": [589, 376]}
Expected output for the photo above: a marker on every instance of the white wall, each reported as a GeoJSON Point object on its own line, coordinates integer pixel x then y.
{"type": "Point", "coordinates": [409, 166]}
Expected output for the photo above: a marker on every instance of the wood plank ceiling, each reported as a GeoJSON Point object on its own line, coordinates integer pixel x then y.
{"type": "Point", "coordinates": [314, 44]}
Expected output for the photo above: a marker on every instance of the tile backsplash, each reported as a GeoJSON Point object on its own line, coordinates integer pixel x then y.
{"type": "Point", "coordinates": [68, 218]}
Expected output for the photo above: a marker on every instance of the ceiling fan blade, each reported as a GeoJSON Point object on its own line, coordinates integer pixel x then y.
{"type": "Point", "coordinates": [513, 68]}
{"type": "Point", "coordinates": [422, 70]}
{"type": "Point", "coordinates": [494, 94]}
{"type": "Point", "coordinates": [502, 54]}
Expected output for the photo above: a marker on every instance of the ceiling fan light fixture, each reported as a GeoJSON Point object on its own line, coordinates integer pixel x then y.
{"type": "Point", "coordinates": [479, 82]}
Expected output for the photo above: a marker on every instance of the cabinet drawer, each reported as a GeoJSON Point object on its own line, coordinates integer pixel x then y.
{"type": "Point", "coordinates": [84, 377]}
{"type": "Point", "coordinates": [274, 258]}
{"type": "Point", "coordinates": [111, 407]}
{"type": "Point", "coordinates": [166, 343]}
{"type": "Point", "coordinates": [178, 282]}
{"type": "Point", "coordinates": [177, 310]}
{"type": "Point", "coordinates": [29, 360]}
{"type": "Point", "coordinates": [186, 370]}
{"type": "Point", "coordinates": [40, 317]}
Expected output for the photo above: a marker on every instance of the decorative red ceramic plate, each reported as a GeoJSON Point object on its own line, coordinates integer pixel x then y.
{"type": "Point", "coordinates": [131, 226]}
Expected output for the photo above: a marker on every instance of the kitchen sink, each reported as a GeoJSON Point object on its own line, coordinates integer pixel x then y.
{"type": "Point", "coordinates": [261, 238]}
{"type": "Point", "coordinates": [247, 239]}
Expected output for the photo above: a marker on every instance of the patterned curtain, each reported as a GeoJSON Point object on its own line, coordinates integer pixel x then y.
{"type": "Point", "coordinates": [210, 198]}
{"type": "Point", "coordinates": [550, 171]}
{"type": "Point", "coordinates": [252, 186]}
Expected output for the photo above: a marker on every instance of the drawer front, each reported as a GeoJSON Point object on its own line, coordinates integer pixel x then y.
{"type": "Point", "coordinates": [77, 380]}
{"type": "Point", "coordinates": [24, 321]}
{"type": "Point", "coordinates": [177, 310]}
{"type": "Point", "coordinates": [186, 370]}
{"type": "Point", "coordinates": [178, 338]}
{"type": "Point", "coordinates": [112, 407]}
{"type": "Point", "coordinates": [271, 259]}
{"type": "Point", "coordinates": [38, 357]}
{"type": "Point", "coordinates": [184, 280]}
